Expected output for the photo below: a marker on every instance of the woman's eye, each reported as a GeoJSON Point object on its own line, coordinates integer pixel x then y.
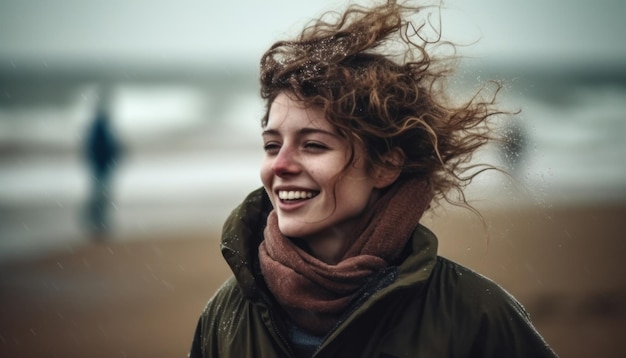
{"type": "Point", "coordinates": [315, 146]}
{"type": "Point", "coordinates": [271, 147]}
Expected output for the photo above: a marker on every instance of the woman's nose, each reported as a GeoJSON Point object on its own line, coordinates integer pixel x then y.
{"type": "Point", "coordinates": [285, 162]}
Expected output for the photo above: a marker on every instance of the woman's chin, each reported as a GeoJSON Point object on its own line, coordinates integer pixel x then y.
{"type": "Point", "coordinates": [295, 230]}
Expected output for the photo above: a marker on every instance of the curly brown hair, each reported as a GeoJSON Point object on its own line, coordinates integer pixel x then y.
{"type": "Point", "coordinates": [344, 64]}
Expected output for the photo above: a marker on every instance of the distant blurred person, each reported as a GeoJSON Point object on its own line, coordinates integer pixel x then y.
{"type": "Point", "coordinates": [102, 151]}
{"type": "Point", "coordinates": [513, 146]}
{"type": "Point", "coordinates": [329, 257]}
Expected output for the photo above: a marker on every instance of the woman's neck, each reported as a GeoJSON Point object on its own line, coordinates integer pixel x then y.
{"type": "Point", "coordinates": [329, 249]}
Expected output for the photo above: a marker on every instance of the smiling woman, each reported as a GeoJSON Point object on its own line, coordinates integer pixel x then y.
{"type": "Point", "coordinates": [329, 257]}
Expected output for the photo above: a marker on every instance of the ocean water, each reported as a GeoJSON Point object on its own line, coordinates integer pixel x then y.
{"type": "Point", "coordinates": [576, 147]}
{"type": "Point", "coordinates": [192, 153]}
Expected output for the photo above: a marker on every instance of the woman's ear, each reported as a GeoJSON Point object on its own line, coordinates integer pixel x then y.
{"type": "Point", "coordinates": [387, 175]}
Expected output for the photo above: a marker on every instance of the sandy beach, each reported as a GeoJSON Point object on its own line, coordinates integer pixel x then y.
{"type": "Point", "coordinates": [141, 297]}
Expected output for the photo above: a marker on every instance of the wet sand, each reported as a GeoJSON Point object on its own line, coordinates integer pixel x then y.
{"type": "Point", "coordinates": [141, 297]}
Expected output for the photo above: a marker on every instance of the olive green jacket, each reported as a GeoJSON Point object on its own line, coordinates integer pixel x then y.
{"type": "Point", "coordinates": [425, 307]}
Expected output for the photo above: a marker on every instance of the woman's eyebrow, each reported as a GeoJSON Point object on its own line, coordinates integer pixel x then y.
{"type": "Point", "coordinates": [270, 132]}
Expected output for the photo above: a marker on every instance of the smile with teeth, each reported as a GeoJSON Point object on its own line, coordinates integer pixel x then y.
{"type": "Point", "coordinates": [295, 194]}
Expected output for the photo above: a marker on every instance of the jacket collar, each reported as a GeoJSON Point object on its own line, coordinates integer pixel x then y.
{"type": "Point", "coordinates": [241, 235]}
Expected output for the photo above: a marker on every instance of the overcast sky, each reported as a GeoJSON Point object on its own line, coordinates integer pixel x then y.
{"type": "Point", "coordinates": [208, 31]}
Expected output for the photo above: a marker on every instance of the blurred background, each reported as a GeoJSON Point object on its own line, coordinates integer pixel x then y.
{"type": "Point", "coordinates": [174, 84]}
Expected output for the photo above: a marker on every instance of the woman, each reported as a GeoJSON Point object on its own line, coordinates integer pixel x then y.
{"type": "Point", "coordinates": [329, 258]}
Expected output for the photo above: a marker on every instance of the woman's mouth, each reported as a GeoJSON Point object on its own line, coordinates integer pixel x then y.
{"type": "Point", "coordinates": [293, 195]}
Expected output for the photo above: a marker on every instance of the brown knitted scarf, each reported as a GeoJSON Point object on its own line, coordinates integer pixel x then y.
{"type": "Point", "coordinates": [315, 294]}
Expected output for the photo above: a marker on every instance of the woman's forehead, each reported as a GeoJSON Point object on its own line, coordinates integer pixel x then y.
{"type": "Point", "coordinates": [286, 111]}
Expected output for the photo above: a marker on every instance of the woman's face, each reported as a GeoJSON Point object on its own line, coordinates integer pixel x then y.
{"type": "Point", "coordinates": [304, 154]}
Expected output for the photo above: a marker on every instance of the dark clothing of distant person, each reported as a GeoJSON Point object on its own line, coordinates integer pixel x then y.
{"type": "Point", "coordinates": [102, 152]}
